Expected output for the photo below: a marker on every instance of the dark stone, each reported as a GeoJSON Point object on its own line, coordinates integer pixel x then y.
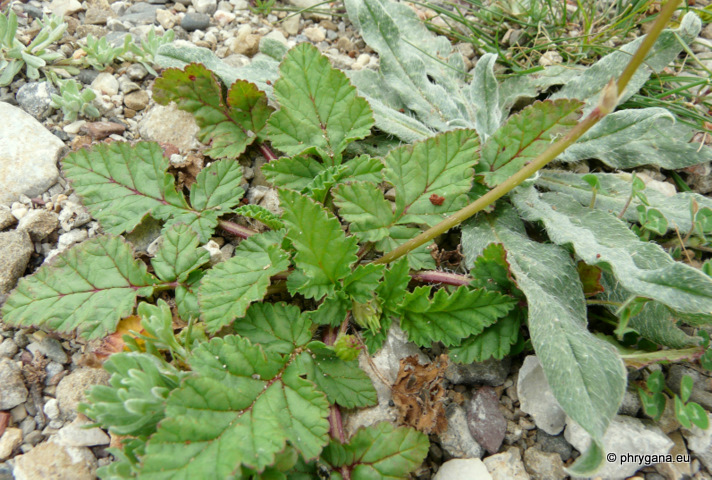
{"type": "Point", "coordinates": [116, 39]}
{"type": "Point", "coordinates": [33, 12]}
{"type": "Point", "coordinates": [484, 419]}
{"type": "Point", "coordinates": [195, 21]}
{"type": "Point", "coordinates": [35, 98]}
{"type": "Point", "coordinates": [141, 13]}
{"type": "Point", "coordinates": [87, 76]}
{"type": "Point", "coordinates": [61, 134]}
{"type": "Point", "coordinates": [490, 372]}
{"type": "Point", "coordinates": [554, 444]}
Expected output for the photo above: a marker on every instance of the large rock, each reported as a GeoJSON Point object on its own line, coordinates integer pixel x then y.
{"type": "Point", "coordinates": [463, 469]}
{"type": "Point", "coordinates": [169, 125]}
{"type": "Point", "coordinates": [700, 443]}
{"type": "Point", "coordinates": [71, 389]}
{"type": "Point", "coordinates": [15, 250]}
{"type": "Point", "coordinates": [35, 98]}
{"type": "Point", "coordinates": [28, 155]}
{"type": "Point", "coordinates": [625, 438]}
{"type": "Point", "coordinates": [537, 399]}
{"type": "Point", "coordinates": [12, 386]}
{"type": "Point", "coordinates": [50, 460]}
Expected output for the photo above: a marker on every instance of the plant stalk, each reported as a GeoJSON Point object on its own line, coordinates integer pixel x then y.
{"type": "Point", "coordinates": [608, 101]}
{"type": "Point", "coordinates": [434, 276]}
{"type": "Point", "coordinates": [235, 229]}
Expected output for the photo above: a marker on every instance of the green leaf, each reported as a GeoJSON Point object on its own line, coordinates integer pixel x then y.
{"type": "Point", "coordinates": [229, 124]}
{"type": "Point", "coordinates": [228, 289]}
{"type": "Point", "coordinates": [440, 166]}
{"type": "Point", "coordinates": [418, 259]}
{"type": "Point", "coordinates": [380, 451]}
{"type": "Point", "coordinates": [178, 254]}
{"type": "Point", "coordinates": [320, 110]}
{"type": "Point", "coordinates": [361, 284]}
{"type": "Point", "coordinates": [491, 270]}
{"type": "Point", "coordinates": [187, 298]}
{"type": "Point", "coordinates": [599, 238]}
{"type": "Point", "coordinates": [495, 341]}
{"type": "Point", "coordinates": [484, 95]}
{"type": "Point", "coordinates": [217, 186]}
{"type": "Point", "coordinates": [616, 190]}
{"type": "Point", "coordinates": [524, 136]}
{"type": "Point", "coordinates": [450, 318]}
{"type": "Point", "coordinates": [363, 205]}
{"type": "Point", "coordinates": [261, 214]}
{"type": "Point", "coordinates": [585, 374]}
{"type": "Point", "coordinates": [363, 169]}
{"type": "Point", "coordinates": [240, 407]}
{"type": "Point", "coordinates": [391, 290]}
{"type": "Point", "coordinates": [320, 185]}
{"type": "Point", "coordinates": [343, 382]}
{"type": "Point", "coordinates": [632, 138]}
{"type": "Point", "coordinates": [697, 415]}
{"type": "Point", "coordinates": [686, 388]}
{"type": "Point", "coordinates": [88, 288]}
{"type": "Point", "coordinates": [294, 173]}
{"type": "Point", "coordinates": [135, 401]}
{"type": "Point", "coordinates": [324, 253]}
{"type": "Point", "coordinates": [653, 404]}
{"type": "Point", "coordinates": [332, 310]}
{"type": "Point", "coordinates": [656, 381]}
{"type": "Point", "coordinates": [278, 327]}
{"type": "Point", "coordinates": [681, 413]}
{"type": "Point", "coordinates": [120, 183]}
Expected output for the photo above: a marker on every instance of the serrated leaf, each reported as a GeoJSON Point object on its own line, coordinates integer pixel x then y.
{"type": "Point", "coordinates": [585, 374]}
{"type": "Point", "coordinates": [229, 124]}
{"type": "Point", "coordinates": [324, 253]}
{"type": "Point", "coordinates": [363, 169]}
{"type": "Point", "coordinates": [392, 289]}
{"type": "Point", "coordinates": [491, 270]}
{"type": "Point", "coordinates": [484, 95]}
{"type": "Point", "coordinates": [320, 185]}
{"type": "Point", "coordinates": [343, 382]}
{"type": "Point", "coordinates": [632, 138]}
{"type": "Point", "coordinates": [239, 408]}
{"type": "Point", "coordinates": [178, 254]}
{"type": "Point", "coordinates": [524, 136]}
{"type": "Point", "coordinates": [363, 282]}
{"type": "Point", "coordinates": [642, 268]}
{"type": "Point", "coordinates": [448, 318]}
{"type": "Point", "coordinates": [616, 191]}
{"type": "Point", "coordinates": [261, 214]}
{"type": "Point", "coordinates": [363, 205]}
{"type": "Point", "coordinates": [278, 328]}
{"type": "Point", "coordinates": [294, 173]}
{"type": "Point", "coordinates": [418, 259]}
{"type": "Point", "coordinates": [217, 186]}
{"type": "Point", "coordinates": [120, 183]}
{"type": "Point", "coordinates": [203, 223]}
{"type": "Point", "coordinates": [440, 166]}
{"type": "Point", "coordinates": [135, 401]}
{"type": "Point", "coordinates": [380, 451]}
{"type": "Point", "coordinates": [320, 110]}
{"type": "Point", "coordinates": [332, 310]}
{"type": "Point", "coordinates": [228, 289]}
{"type": "Point", "coordinates": [187, 296]}
{"type": "Point", "coordinates": [88, 288]}
{"type": "Point", "coordinates": [495, 341]}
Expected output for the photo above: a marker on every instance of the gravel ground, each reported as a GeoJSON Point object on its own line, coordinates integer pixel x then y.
{"type": "Point", "coordinates": [503, 422]}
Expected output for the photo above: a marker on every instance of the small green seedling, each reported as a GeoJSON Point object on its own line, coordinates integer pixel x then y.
{"type": "Point", "coordinates": [654, 400]}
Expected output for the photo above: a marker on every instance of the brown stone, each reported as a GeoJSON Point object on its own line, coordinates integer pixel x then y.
{"type": "Point", "coordinates": [137, 100]}
{"type": "Point", "coordinates": [101, 130]}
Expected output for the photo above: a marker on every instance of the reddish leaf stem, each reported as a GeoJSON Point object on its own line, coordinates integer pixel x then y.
{"type": "Point", "coordinates": [267, 152]}
{"type": "Point", "coordinates": [235, 229]}
{"type": "Point", "coordinates": [434, 276]}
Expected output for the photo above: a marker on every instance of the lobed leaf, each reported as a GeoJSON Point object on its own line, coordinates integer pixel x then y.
{"type": "Point", "coordinates": [228, 288]}
{"type": "Point", "coordinates": [448, 318]}
{"type": "Point", "coordinates": [585, 374]}
{"type": "Point", "coordinates": [277, 327]}
{"type": "Point", "coordinates": [217, 186]}
{"type": "Point", "coordinates": [320, 110]}
{"type": "Point", "coordinates": [121, 183]}
{"type": "Point", "coordinates": [363, 169]}
{"type": "Point", "coordinates": [363, 205]}
{"type": "Point", "coordinates": [294, 173]}
{"type": "Point", "coordinates": [524, 136]}
{"type": "Point", "coordinates": [228, 123]}
{"type": "Point", "coordinates": [363, 282]}
{"type": "Point", "coordinates": [599, 238]}
{"type": "Point", "coordinates": [178, 254]}
{"type": "Point", "coordinates": [441, 167]}
{"type": "Point", "coordinates": [324, 253]}
{"type": "Point", "coordinates": [379, 451]}
{"type": "Point", "coordinates": [418, 259]}
{"type": "Point", "coordinates": [88, 288]}
{"type": "Point", "coordinates": [495, 341]}
{"type": "Point", "coordinates": [261, 214]}
{"type": "Point", "coordinates": [240, 408]}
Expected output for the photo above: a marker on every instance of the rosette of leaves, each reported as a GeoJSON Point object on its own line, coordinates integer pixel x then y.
{"type": "Point", "coordinates": [33, 56]}
{"type": "Point", "coordinates": [74, 101]}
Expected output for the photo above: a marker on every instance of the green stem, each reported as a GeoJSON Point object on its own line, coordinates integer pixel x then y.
{"type": "Point", "coordinates": [607, 104]}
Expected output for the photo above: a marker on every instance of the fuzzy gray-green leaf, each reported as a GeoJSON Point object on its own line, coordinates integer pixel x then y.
{"type": "Point", "coordinates": [484, 95]}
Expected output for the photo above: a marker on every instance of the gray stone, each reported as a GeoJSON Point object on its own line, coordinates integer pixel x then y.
{"type": "Point", "coordinates": [136, 72]}
{"type": "Point", "coordinates": [76, 435]}
{"type": "Point", "coordinates": [71, 389]}
{"type": "Point", "coordinates": [51, 409]}
{"type": "Point", "coordinates": [65, 7]}
{"type": "Point", "coordinates": [12, 385]}
{"type": "Point", "coordinates": [28, 425]}
{"type": "Point", "coordinates": [630, 405]}
{"type": "Point", "coordinates": [205, 6]}
{"type": "Point", "coordinates": [625, 436]}
{"type": "Point", "coordinates": [195, 21]}
{"type": "Point", "coordinates": [26, 168]}
{"type": "Point", "coordinates": [32, 11]}
{"type": "Point", "coordinates": [34, 437]}
{"type": "Point", "coordinates": [140, 13]}
{"type": "Point", "coordinates": [39, 224]}
{"type": "Point", "coordinates": [7, 219]}
{"type": "Point", "coordinates": [457, 440]}
{"type": "Point", "coordinates": [144, 234]}
{"type": "Point", "coordinates": [36, 97]}
{"type": "Point", "coordinates": [537, 399]}
{"type": "Point", "coordinates": [700, 443]}
{"type": "Point", "coordinates": [6, 472]}
{"type": "Point", "coordinates": [87, 76]}
{"type": "Point", "coordinates": [15, 250]}
{"type": "Point", "coordinates": [9, 441]}
{"type": "Point", "coordinates": [544, 466]}
{"type": "Point", "coordinates": [485, 420]}
{"type": "Point", "coordinates": [169, 125]}
{"type": "Point", "coordinates": [68, 239]}
{"type": "Point", "coordinates": [106, 84]}
{"type": "Point", "coordinates": [98, 15]}
{"type": "Point", "coordinates": [73, 215]}
{"type": "Point", "coordinates": [507, 465]}
{"type": "Point", "coordinates": [8, 348]}
{"type": "Point", "coordinates": [49, 460]}
{"type": "Point", "coordinates": [50, 348]}
{"type": "Point", "coordinates": [53, 369]}
{"type": "Point", "coordinates": [554, 444]}
{"type": "Point", "coordinates": [463, 469]}
{"type": "Point", "coordinates": [699, 394]}
{"type": "Point", "coordinates": [490, 372]}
